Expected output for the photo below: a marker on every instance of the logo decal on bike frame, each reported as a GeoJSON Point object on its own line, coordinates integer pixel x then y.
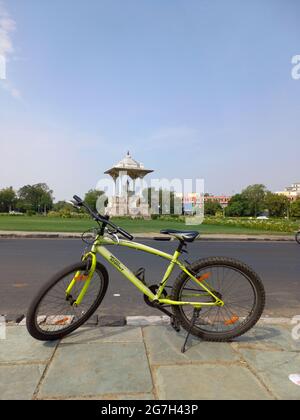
{"type": "Point", "coordinates": [116, 263]}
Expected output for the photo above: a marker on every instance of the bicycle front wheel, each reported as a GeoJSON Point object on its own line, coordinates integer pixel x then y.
{"type": "Point", "coordinates": [236, 284]}
{"type": "Point", "coordinates": [51, 316]}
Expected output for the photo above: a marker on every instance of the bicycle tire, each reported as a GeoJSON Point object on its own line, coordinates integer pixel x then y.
{"type": "Point", "coordinates": [31, 318]}
{"type": "Point", "coordinates": [219, 336]}
{"type": "Point", "coordinates": [297, 237]}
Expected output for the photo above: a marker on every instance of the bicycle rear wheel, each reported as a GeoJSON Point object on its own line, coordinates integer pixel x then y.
{"type": "Point", "coordinates": [235, 283]}
{"type": "Point", "coordinates": [52, 316]}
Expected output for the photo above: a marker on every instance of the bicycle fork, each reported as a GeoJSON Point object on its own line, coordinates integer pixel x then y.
{"type": "Point", "coordinates": [91, 260]}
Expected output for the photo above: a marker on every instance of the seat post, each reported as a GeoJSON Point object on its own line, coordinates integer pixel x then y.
{"type": "Point", "coordinates": [180, 246]}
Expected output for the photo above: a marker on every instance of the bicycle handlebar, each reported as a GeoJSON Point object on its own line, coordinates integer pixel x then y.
{"type": "Point", "coordinates": [124, 233]}
{"type": "Point", "coordinates": [102, 219]}
{"type": "Point", "coordinates": [77, 199]}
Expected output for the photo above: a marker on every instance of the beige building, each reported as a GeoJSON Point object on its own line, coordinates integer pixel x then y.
{"type": "Point", "coordinates": [292, 192]}
{"type": "Point", "coordinates": [223, 200]}
{"type": "Point", "coordinates": [191, 200]}
{"type": "Point", "coordinates": [196, 198]}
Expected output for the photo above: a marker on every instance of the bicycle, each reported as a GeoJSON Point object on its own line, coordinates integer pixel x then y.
{"type": "Point", "coordinates": [297, 237]}
{"type": "Point", "coordinates": [216, 298]}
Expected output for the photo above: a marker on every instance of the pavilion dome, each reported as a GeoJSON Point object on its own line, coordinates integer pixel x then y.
{"type": "Point", "coordinates": [128, 162]}
{"type": "Point", "coordinates": [133, 168]}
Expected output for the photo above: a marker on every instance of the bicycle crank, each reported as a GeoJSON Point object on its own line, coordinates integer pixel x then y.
{"type": "Point", "coordinates": [154, 289]}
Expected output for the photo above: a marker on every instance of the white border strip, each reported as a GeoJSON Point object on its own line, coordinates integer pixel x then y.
{"type": "Point", "coordinates": [165, 320]}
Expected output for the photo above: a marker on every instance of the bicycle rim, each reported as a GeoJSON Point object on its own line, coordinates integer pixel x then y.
{"type": "Point", "coordinates": [54, 313]}
{"type": "Point", "coordinates": [234, 287]}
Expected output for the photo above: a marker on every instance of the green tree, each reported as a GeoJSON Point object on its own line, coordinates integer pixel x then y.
{"type": "Point", "coordinates": [238, 206]}
{"type": "Point", "coordinates": [8, 199]}
{"type": "Point", "coordinates": [277, 204]}
{"type": "Point", "coordinates": [255, 196]}
{"type": "Point", "coordinates": [211, 207]}
{"type": "Point", "coordinates": [63, 205]}
{"type": "Point", "coordinates": [295, 208]}
{"type": "Point", "coordinates": [36, 197]}
{"type": "Point", "coordinates": [250, 202]}
{"type": "Point", "coordinates": [91, 198]}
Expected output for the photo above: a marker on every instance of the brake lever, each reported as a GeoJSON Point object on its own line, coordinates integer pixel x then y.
{"type": "Point", "coordinates": [114, 235]}
{"type": "Point", "coordinates": [74, 204]}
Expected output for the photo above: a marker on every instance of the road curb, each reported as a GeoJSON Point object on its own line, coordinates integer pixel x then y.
{"type": "Point", "coordinates": [140, 321]}
{"type": "Point", "coordinates": [205, 237]}
{"type": "Point", "coordinates": [135, 321]}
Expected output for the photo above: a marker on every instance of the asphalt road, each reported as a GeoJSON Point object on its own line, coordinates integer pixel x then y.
{"type": "Point", "coordinates": [27, 263]}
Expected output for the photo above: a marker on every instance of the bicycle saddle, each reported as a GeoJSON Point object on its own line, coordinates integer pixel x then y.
{"type": "Point", "coordinates": [182, 235]}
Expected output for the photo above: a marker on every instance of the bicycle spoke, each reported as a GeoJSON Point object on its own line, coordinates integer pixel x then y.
{"type": "Point", "coordinates": [55, 303]}
{"type": "Point", "coordinates": [237, 294]}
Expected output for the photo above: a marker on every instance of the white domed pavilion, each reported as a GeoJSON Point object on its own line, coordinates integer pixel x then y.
{"type": "Point", "coordinates": [127, 203]}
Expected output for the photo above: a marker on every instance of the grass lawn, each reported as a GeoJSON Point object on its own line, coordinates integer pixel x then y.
{"type": "Point", "coordinates": [57, 224]}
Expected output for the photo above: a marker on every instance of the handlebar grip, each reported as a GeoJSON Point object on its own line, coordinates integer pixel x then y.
{"type": "Point", "coordinates": [78, 199]}
{"type": "Point", "coordinates": [125, 234]}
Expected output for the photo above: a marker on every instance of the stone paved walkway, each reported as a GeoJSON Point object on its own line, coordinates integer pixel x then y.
{"type": "Point", "coordinates": [146, 363]}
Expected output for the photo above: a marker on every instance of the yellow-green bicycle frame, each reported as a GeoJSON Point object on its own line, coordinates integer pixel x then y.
{"type": "Point", "coordinates": [99, 248]}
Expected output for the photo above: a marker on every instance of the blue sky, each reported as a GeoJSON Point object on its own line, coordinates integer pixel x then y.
{"type": "Point", "coordinates": [193, 88]}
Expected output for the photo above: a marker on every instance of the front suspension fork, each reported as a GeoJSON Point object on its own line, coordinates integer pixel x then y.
{"type": "Point", "coordinates": [91, 260]}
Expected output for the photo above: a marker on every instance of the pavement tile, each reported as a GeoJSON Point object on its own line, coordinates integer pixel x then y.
{"type": "Point", "coordinates": [267, 337]}
{"type": "Point", "coordinates": [208, 382]}
{"type": "Point", "coordinates": [104, 334]}
{"type": "Point", "coordinates": [164, 347]}
{"type": "Point", "coordinates": [19, 346]}
{"type": "Point", "coordinates": [274, 368]}
{"type": "Point", "coordinates": [18, 382]}
{"type": "Point", "coordinates": [97, 368]}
